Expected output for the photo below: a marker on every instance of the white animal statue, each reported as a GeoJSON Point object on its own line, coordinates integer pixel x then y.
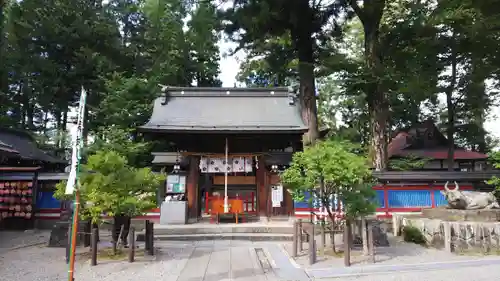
{"type": "Point", "coordinates": [469, 200]}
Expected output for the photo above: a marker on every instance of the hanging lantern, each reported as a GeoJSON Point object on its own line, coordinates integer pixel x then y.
{"type": "Point", "coordinates": [177, 166]}
{"type": "Point", "coordinates": [274, 168]}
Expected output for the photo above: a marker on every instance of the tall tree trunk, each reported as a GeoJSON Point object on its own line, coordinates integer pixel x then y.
{"type": "Point", "coordinates": [3, 73]}
{"type": "Point", "coordinates": [62, 128]}
{"type": "Point", "coordinates": [304, 44]}
{"type": "Point", "coordinates": [308, 105]}
{"type": "Point", "coordinates": [370, 15]}
{"type": "Point", "coordinates": [451, 107]}
{"type": "Point", "coordinates": [477, 96]}
{"type": "Point", "coordinates": [57, 117]}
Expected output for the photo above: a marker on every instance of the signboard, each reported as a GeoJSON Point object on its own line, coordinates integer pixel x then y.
{"type": "Point", "coordinates": [176, 184]}
{"type": "Point", "coordinates": [277, 195]}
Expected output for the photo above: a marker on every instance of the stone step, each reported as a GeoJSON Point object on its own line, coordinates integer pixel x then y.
{"type": "Point", "coordinates": [226, 236]}
{"type": "Point", "coordinates": [221, 229]}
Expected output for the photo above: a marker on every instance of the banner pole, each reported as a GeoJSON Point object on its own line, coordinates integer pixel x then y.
{"type": "Point", "coordinates": [226, 206]}
{"type": "Point", "coordinates": [73, 182]}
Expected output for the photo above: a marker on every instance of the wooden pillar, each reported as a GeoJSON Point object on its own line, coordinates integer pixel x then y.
{"type": "Point", "coordinates": [289, 204]}
{"type": "Point", "coordinates": [192, 187]}
{"type": "Point", "coordinates": [261, 180]}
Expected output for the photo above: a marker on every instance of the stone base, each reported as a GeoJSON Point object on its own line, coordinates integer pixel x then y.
{"type": "Point", "coordinates": [445, 214]}
{"type": "Point", "coordinates": [59, 235]}
{"type": "Point", "coordinates": [456, 236]}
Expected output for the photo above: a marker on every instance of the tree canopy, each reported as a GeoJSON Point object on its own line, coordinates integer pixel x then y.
{"type": "Point", "coordinates": [109, 186]}
{"type": "Point", "coordinates": [332, 169]}
{"type": "Point", "coordinates": [365, 68]}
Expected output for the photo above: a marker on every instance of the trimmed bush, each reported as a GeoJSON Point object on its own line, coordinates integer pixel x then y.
{"type": "Point", "coordinates": [413, 235]}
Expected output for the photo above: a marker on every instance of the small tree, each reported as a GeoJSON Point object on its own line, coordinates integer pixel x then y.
{"type": "Point", "coordinates": [495, 181]}
{"type": "Point", "coordinates": [108, 185]}
{"type": "Point", "coordinates": [330, 168]}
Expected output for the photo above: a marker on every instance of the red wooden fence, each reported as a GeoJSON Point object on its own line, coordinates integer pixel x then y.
{"type": "Point", "coordinates": [249, 204]}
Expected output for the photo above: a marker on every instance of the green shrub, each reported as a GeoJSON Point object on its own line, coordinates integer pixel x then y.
{"type": "Point", "coordinates": [413, 235]}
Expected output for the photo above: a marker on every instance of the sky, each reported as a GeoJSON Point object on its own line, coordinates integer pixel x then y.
{"type": "Point", "coordinates": [229, 65]}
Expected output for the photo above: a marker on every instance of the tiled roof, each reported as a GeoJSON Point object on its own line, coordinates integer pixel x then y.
{"type": "Point", "coordinates": [412, 143]}
{"type": "Point", "coordinates": [459, 154]}
{"type": "Point", "coordinates": [226, 109]}
{"type": "Point", "coordinates": [21, 144]}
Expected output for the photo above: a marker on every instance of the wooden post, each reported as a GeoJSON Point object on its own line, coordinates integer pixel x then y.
{"type": "Point", "coordinates": [119, 241]}
{"type": "Point", "coordinates": [301, 246]}
{"type": "Point", "coordinates": [87, 234]}
{"type": "Point", "coordinates": [68, 246]}
{"type": "Point", "coordinates": [131, 239]}
{"type": "Point", "coordinates": [395, 225]}
{"type": "Point", "coordinates": [315, 251]}
{"type": "Point", "coordinates": [312, 249]}
{"type": "Point", "coordinates": [447, 236]}
{"type": "Point", "coordinates": [364, 234]}
{"type": "Point", "coordinates": [93, 246]}
{"type": "Point", "coordinates": [332, 234]}
{"type": "Point", "coordinates": [323, 238]}
{"type": "Point", "coordinates": [151, 239]}
{"type": "Point", "coordinates": [347, 246]}
{"type": "Point", "coordinates": [295, 238]}
{"type": "Point", "coordinates": [371, 243]}
{"type": "Point", "coordinates": [146, 237]}
{"type": "Point", "coordinates": [114, 245]}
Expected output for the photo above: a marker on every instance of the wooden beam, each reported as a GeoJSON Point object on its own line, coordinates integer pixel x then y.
{"type": "Point", "coordinates": [20, 168]}
{"type": "Point", "coordinates": [234, 180]}
{"type": "Point", "coordinates": [220, 155]}
{"type": "Point", "coordinates": [429, 176]}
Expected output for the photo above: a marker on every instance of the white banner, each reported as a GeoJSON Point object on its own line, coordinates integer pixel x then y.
{"type": "Point", "coordinates": [234, 165]}
{"type": "Point", "coordinates": [77, 144]}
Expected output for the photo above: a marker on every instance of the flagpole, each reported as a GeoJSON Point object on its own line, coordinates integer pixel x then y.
{"type": "Point", "coordinates": [74, 233]}
{"type": "Point", "coordinates": [226, 207]}
{"type": "Point", "coordinates": [72, 185]}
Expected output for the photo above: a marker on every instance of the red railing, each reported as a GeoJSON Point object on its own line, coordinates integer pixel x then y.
{"type": "Point", "coordinates": [249, 202]}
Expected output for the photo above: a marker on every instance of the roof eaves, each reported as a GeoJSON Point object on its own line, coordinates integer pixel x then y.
{"type": "Point", "coordinates": [175, 129]}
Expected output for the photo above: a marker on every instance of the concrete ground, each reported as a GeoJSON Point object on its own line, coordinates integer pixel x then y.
{"type": "Point", "coordinates": [242, 261]}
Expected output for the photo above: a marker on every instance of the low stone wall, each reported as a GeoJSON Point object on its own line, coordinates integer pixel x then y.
{"type": "Point", "coordinates": [454, 236]}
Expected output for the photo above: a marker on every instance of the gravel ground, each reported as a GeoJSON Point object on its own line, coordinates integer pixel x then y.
{"type": "Point", "coordinates": [398, 252]}
{"type": "Point", "coordinates": [39, 263]}
{"type": "Point", "coordinates": [15, 239]}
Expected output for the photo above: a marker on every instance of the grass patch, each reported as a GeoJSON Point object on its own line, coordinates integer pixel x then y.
{"type": "Point", "coordinates": [338, 253]}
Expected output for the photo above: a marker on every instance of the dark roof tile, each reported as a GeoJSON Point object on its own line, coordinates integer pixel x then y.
{"type": "Point", "coordinates": [23, 145]}
{"type": "Point", "coordinates": [226, 109]}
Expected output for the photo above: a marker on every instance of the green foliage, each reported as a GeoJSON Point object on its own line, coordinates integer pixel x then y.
{"type": "Point", "coordinates": [412, 234]}
{"type": "Point", "coordinates": [123, 141]}
{"type": "Point", "coordinates": [332, 168]}
{"type": "Point", "coordinates": [495, 181]}
{"type": "Point", "coordinates": [119, 50]}
{"type": "Point", "coordinates": [407, 163]}
{"type": "Point", "coordinates": [108, 185]}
